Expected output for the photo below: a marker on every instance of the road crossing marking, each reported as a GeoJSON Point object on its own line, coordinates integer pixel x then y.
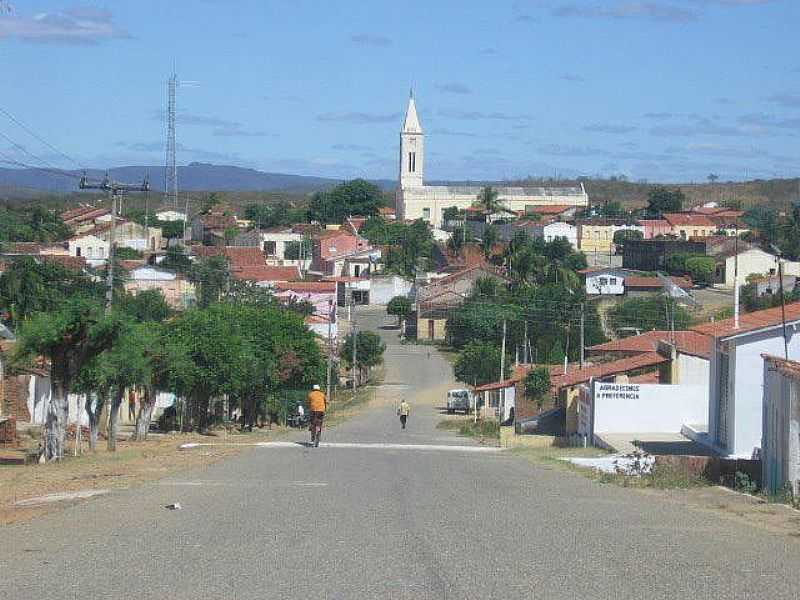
{"type": "Point", "coordinates": [357, 446]}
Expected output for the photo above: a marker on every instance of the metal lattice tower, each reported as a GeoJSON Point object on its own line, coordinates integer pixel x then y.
{"type": "Point", "coordinates": [170, 164]}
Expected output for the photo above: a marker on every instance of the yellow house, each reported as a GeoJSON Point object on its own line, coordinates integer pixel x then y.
{"type": "Point", "coordinates": [597, 235]}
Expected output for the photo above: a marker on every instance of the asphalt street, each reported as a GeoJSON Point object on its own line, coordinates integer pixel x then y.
{"type": "Point", "coordinates": [370, 522]}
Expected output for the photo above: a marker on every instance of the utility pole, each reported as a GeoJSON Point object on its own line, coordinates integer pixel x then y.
{"type": "Point", "coordinates": [503, 354]}
{"type": "Point", "coordinates": [583, 328]}
{"type": "Point", "coordinates": [736, 279]}
{"type": "Point", "coordinates": [355, 344]}
{"type": "Point", "coordinates": [783, 307]}
{"type": "Point", "coordinates": [116, 190]}
{"type": "Point", "coordinates": [525, 354]}
{"type": "Point", "coordinates": [331, 313]}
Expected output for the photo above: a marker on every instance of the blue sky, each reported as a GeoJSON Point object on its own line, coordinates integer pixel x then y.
{"type": "Point", "coordinates": [667, 90]}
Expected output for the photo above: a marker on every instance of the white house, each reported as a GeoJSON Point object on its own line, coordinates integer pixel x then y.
{"type": "Point", "coordinates": [752, 261]}
{"type": "Point", "coordinates": [92, 248]}
{"type": "Point", "coordinates": [170, 215]}
{"type": "Point", "coordinates": [604, 282]}
{"type": "Point", "coordinates": [736, 374]}
{"type": "Point", "coordinates": [556, 229]}
{"type": "Point", "coordinates": [498, 399]}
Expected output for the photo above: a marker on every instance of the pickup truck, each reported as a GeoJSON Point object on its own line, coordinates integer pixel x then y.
{"type": "Point", "coordinates": [459, 400]}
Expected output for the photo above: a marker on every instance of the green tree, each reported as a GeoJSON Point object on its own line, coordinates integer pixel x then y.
{"type": "Point", "coordinates": [125, 253]}
{"type": "Point", "coordinates": [662, 200]}
{"type": "Point", "coordinates": [176, 260]}
{"type": "Point", "coordinates": [70, 338]}
{"type": "Point", "coordinates": [537, 385]}
{"type": "Point", "coordinates": [648, 314]}
{"type": "Point", "coordinates": [400, 307]}
{"type": "Point", "coordinates": [612, 210]}
{"type": "Point", "coordinates": [701, 268]}
{"type": "Point", "coordinates": [351, 198]}
{"type": "Point", "coordinates": [479, 363]}
{"type": "Point", "coordinates": [369, 351]}
{"type": "Point", "coordinates": [624, 235]}
{"type": "Point", "coordinates": [146, 306]}
{"type": "Point", "coordinates": [211, 276]}
{"type": "Point", "coordinates": [489, 238]}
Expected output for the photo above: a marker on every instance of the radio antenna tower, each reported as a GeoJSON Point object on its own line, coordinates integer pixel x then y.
{"type": "Point", "coordinates": [171, 165]}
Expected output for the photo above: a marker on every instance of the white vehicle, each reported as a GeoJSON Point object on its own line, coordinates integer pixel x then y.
{"type": "Point", "coordinates": [459, 400]}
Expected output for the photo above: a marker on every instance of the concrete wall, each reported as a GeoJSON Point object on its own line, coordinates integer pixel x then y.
{"type": "Point", "coordinates": [693, 370]}
{"type": "Point", "coordinates": [651, 408]}
{"type": "Point", "coordinates": [384, 289]}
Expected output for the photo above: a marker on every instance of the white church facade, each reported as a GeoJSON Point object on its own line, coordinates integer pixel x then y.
{"type": "Point", "coordinates": [415, 200]}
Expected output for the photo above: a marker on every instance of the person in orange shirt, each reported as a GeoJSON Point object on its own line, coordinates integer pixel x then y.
{"type": "Point", "coordinates": [316, 406]}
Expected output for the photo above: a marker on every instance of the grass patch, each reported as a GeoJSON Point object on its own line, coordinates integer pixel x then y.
{"type": "Point", "coordinates": [469, 428]}
{"type": "Point", "coordinates": [661, 477]}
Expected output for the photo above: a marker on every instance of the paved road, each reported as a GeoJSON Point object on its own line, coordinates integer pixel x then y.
{"type": "Point", "coordinates": [336, 523]}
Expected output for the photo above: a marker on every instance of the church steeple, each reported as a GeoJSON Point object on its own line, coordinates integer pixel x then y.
{"type": "Point", "coordinates": [411, 123]}
{"type": "Point", "coordinates": [412, 142]}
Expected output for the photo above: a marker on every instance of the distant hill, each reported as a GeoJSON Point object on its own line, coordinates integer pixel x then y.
{"type": "Point", "coordinates": [192, 177]}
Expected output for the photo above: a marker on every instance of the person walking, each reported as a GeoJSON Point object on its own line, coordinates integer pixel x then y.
{"type": "Point", "coordinates": [316, 406]}
{"type": "Point", "coordinates": [403, 410]}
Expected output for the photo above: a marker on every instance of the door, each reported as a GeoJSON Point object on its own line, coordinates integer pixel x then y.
{"type": "Point", "coordinates": [430, 329]}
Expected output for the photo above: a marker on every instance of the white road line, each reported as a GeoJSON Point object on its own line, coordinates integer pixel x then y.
{"type": "Point", "coordinates": [60, 497]}
{"type": "Point", "coordinates": [358, 446]}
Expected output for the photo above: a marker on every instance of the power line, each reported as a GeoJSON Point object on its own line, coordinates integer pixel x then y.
{"type": "Point", "coordinates": [50, 168]}
{"type": "Point", "coordinates": [40, 139]}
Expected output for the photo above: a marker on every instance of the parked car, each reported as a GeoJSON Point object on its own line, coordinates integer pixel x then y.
{"type": "Point", "coordinates": [459, 400]}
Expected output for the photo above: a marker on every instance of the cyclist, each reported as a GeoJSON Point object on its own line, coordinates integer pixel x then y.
{"type": "Point", "coordinates": [316, 406]}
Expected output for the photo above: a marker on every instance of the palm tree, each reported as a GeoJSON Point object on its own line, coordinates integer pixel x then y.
{"type": "Point", "coordinates": [488, 199]}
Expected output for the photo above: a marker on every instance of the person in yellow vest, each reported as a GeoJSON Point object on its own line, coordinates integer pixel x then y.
{"type": "Point", "coordinates": [403, 411]}
{"type": "Point", "coordinates": [316, 406]}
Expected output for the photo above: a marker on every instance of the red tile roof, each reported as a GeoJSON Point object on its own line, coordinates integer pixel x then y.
{"type": "Point", "coordinates": [76, 263]}
{"type": "Point", "coordinates": [31, 248]}
{"type": "Point", "coordinates": [718, 211]}
{"type": "Point", "coordinates": [319, 287]}
{"type": "Point", "coordinates": [688, 219]}
{"type": "Point", "coordinates": [653, 377]}
{"type": "Point", "coordinates": [555, 209]}
{"type": "Point", "coordinates": [238, 256]}
{"type": "Point", "coordinates": [129, 265]}
{"type": "Point", "coordinates": [790, 368]}
{"type": "Point", "coordinates": [637, 281]}
{"type": "Point", "coordinates": [497, 385]}
{"type": "Point", "coordinates": [617, 367]}
{"type": "Point", "coordinates": [75, 212]}
{"type": "Point", "coordinates": [686, 342]}
{"type": "Point", "coordinates": [760, 319]}
{"type": "Point", "coordinates": [265, 273]}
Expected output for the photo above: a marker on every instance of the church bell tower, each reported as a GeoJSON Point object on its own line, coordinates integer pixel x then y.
{"type": "Point", "coordinates": [412, 145]}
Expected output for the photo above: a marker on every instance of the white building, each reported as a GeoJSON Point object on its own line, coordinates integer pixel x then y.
{"type": "Point", "coordinates": [415, 200]}
{"type": "Point", "coordinates": [170, 215]}
{"type": "Point", "coordinates": [604, 282]}
{"type": "Point", "coordinates": [90, 247]}
{"type": "Point", "coordinates": [736, 374]}
{"type": "Point", "coordinates": [752, 261]}
{"type": "Point", "coordinates": [557, 229]}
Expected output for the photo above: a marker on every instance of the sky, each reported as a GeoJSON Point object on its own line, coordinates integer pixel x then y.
{"type": "Point", "coordinates": [662, 90]}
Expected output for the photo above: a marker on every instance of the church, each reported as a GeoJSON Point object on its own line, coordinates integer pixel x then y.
{"type": "Point", "coordinates": [415, 200]}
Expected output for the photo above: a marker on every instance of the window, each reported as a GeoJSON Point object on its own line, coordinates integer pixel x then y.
{"type": "Point", "coordinates": [77, 250]}
{"type": "Point", "coordinates": [603, 281]}
{"type": "Point", "coordinates": [270, 248]}
{"type": "Point", "coordinates": [412, 162]}
{"type": "Point", "coordinates": [426, 214]}
{"type": "Point", "coordinates": [613, 281]}
{"type": "Point", "coordinates": [101, 252]}
{"type": "Point", "coordinates": [89, 252]}
{"type": "Point", "coordinates": [357, 270]}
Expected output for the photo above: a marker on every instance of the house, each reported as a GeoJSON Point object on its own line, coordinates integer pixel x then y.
{"type": "Point", "coordinates": [751, 262]}
{"type": "Point", "coordinates": [637, 285]}
{"type": "Point", "coordinates": [179, 293]}
{"type": "Point", "coordinates": [212, 227]}
{"type": "Point", "coordinates": [323, 326]}
{"type": "Point", "coordinates": [607, 281]}
{"type": "Point", "coordinates": [385, 287]}
{"type": "Point", "coordinates": [351, 290]}
{"type": "Point", "coordinates": [170, 215]}
{"type": "Point", "coordinates": [551, 230]}
{"type": "Point", "coordinates": [556, 211]}
{"type": "Point", "coordinates": [92, 248]}
{"type": "Point", "coordinates": [387, 213]}
{"type": "Point", "coordinates": [770, 285]}
{"type": "Point", "coordinates": [597, 235]}
{"type": "Point", "coordinates": [237, 256]}
{"type": "Point", "coordinates": [654, 228]}
{"type": "Point", "coordinates": [265, 275]}
{"type": "Point", "coordinates": [736, 374]}
{"type": "Point", "coordinates": [320, 294]}
{"type": "Point", "coordinates": [497, 399]}
{"type": "Point", "coordinates": [435, 300]}
{"type": "Point", "coordinates": [780, 437]}
{"type": "Point", "coordinates": [353, 224]}
{"type": "Point", "coordinates": [83, 218]}
{"type": "Point", "coordinates": [331, 246]}
{"type": "Point", "coordinates": [690, 343]}
{"type": "Point", "coordinates": [690, 225]}
{"type": "Point", "coordinates": [281, 245]}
